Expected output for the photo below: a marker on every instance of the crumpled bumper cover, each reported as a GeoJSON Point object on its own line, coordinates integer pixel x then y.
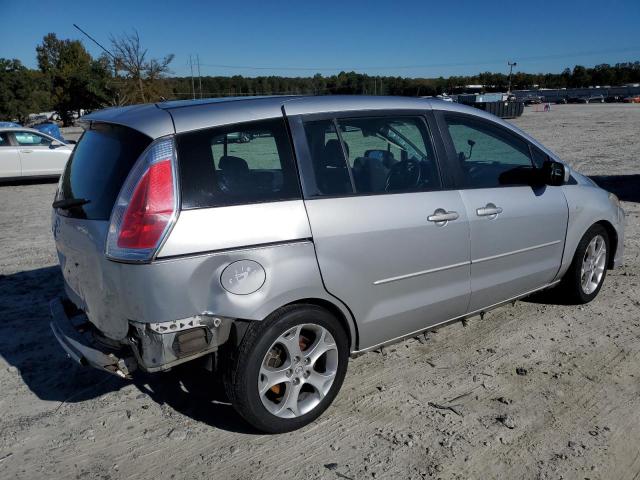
{"type": "Point", "coordinates": [77, 341]}
{"type": "Point", "coordinates": [150, 347]}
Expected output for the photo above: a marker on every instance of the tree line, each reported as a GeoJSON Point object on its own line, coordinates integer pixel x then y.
{"type": "Point", "coordinates": [68, 79]}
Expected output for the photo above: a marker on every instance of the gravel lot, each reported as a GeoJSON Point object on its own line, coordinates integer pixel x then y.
{"type": "Point", "coordinates": [572, 412]}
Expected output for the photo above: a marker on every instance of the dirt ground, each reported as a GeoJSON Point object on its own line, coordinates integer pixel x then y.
{"type": "Point", "coordinates": [572, 412]}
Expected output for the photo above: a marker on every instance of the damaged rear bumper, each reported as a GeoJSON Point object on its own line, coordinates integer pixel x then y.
{"type": "Point", "coordinates": [75, 337]}
{"type": "Point", "coordinates": [151, 347]}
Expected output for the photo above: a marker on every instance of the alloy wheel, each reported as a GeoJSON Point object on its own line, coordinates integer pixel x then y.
{"type": "Point", "coordinates": [593, 264]}
{"type": "Point", "coordinates": [298, 370]}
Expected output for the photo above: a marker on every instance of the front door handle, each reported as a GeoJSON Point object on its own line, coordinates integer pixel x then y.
{"type": "Point", "coordinates": [440, 217]}
{"type": "Point", "coordinates": [489, 210]}
{"type": "Point", "coordinates": [26, 151]}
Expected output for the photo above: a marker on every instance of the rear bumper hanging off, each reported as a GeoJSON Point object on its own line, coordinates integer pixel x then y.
{"type": "Point", "coordinates": [151, 347]}
{"type": "Point", "coordinates": [76, 339]}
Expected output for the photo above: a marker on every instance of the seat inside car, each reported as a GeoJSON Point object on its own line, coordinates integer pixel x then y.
{"type": "Point", "coordinates": [333, 176]}
{"type": "Point", "coordinates": [370, 173]}
{"type": "Point", "coordinates": [234, 173]}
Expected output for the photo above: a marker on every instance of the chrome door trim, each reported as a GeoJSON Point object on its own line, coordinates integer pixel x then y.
{"type": "Point", "coordinates": [514, 252]}
{"type": "Point", "coordinates": [417, 274]}
{"type": "Point", "coordinates": [356, 353]}
{"type": "Point", "coordinates": [461, 264]}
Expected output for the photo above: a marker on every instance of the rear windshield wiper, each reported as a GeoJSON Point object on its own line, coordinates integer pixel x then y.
{"type": "Point", "coordinates": [67, 203]}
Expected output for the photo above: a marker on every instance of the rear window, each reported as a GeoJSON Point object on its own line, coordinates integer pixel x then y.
{"type": "Point", "coordinates": [98, 167]}
{"type": "Point", "coordinates": [238, 164]}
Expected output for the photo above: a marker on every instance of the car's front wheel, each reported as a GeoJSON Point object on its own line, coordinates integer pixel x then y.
{"type": "Point", "coordinates": [587, 272]}
{"type": "Point", "coordinates": [288, 368]}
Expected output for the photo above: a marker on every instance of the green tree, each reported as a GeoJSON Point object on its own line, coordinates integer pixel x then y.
{"type": "Point", "coordinates": [76, 80]}
{"type": "Point", "coordinates": [580, 77]}
{"type": "Point", "coordinates": [22, 91]}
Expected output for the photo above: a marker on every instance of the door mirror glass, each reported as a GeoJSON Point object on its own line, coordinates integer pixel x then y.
{"type": "Point", "coordinates": [553, 173]}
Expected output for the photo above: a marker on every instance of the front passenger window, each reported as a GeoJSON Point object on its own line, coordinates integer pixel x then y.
{"type": "Point", "coordinates": [372, 155]}
{"type": "Point", "coordinates": [489, 156]}
{"type": "Point", "coordinates": [31, 139]}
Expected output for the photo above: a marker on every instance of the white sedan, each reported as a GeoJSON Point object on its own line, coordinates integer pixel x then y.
{"type": "Point", "coordinates": [25, 152]}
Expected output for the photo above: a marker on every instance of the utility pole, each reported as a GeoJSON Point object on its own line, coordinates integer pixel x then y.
{"type": "Point", "coordinates": [193, 87]}
{"type": "Point", "coordinates": [511, 65]}
{"type": "Point", "coordinates": [199, 77]}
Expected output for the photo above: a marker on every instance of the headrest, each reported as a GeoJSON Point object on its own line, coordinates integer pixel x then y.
{"type": "Point", "coordinates": [333, 153]}
{"type": "Point", "coordinates": [230, 163]}
{"type": "Point", "coordinates": [387, 157]}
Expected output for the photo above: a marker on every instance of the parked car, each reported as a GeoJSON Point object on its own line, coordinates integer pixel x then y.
{"type": "Point", "coordinates": [9, 124]}
{"type": "Point", "coordinates": [632, 99]}
{"type": "Point", "coordinates": [587, 99]}
{"type": "Point", "coordinates": [25, 152]}
{"type": "Point", "coordinates": [533, 100]}
{"type": "Point", "coordinates": [342, 225]}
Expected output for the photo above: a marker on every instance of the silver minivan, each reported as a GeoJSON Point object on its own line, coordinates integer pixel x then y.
{"type": "Point", "coordinates": [273, 237]}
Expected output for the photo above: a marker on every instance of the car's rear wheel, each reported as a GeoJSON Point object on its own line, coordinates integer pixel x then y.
{"type": "Point", "coordinates": [288, 368]}
{"type": "Point", "coordinates": [587, 272]}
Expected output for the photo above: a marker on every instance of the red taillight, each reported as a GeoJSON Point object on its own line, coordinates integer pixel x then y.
{"type": "Point", "coordinates": [147, 205]}
{"type": "Point", "coordinates": [150, 208]}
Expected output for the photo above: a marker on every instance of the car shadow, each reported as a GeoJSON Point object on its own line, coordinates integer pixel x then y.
{"type": "Point", "coordinates": [626, 187]}
{"type": "Point", "coordinates": [29, 348]}
{"type": "Point", "coordinates": [196, 393]}
{"type": "Point", "coordinates": [552, 296]}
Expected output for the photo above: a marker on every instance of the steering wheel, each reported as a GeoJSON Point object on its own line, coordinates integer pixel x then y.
{"type": "Point", "coordinates": [404, 175]}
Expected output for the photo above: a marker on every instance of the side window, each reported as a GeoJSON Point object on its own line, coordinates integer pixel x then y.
{"type": "Point", "coordinates": [245, 163]}
{"type": "Point", "coordinates": [330, 169]}
{"type": "Point", "coordinates": [4, 140]}
{"type": "Point", "coordinates": [489, 155]}
{"type": "Point", "coordinates": [383, 155]}
{"type": "Point", "coordinates": [539, 157]}
{"type": "Point", "coordinates": [31, 139]}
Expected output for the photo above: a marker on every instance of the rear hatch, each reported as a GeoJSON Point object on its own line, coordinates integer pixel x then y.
{"type": "Point", "coordinates": [94, 176]}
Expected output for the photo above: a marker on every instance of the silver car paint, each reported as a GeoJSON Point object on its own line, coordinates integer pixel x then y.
{"type": "Point", "coordinates": [519, 249]}
{"type": "Point", "coordinates": [112, 293]}
{"type": "Point", "coordinates": [210, 229]}
{"type": "Point", "coordinates": [395, 270]}
{"type": "Point", "coordinates": [149, 119]}
{"type": "Point", "coordinates": [203, 116]}
{"type": "Point", "coordinates": [589, 204]}
{"type": "Point", "coordinates": [181, 287]}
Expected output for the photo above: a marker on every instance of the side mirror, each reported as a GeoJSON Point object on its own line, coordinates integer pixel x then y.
{"type": "Point", "coordinates": [55, 144]}
{"type": "Point", "coordinates": [553, 173]}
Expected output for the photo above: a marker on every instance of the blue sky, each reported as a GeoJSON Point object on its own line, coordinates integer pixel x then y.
{"type": "Point", "coordinates": [405, 38]}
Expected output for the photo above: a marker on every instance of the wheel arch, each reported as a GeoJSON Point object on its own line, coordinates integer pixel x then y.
{"type": "Point", "coordinates": [613, 241]}
{"type": "Point", "coordinates": [343, 314]}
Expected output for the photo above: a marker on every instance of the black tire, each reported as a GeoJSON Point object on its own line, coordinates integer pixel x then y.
{"type": "Point", "coordinates": [243, 370]}
{"type": "Point", "coordinates": [571, 284]}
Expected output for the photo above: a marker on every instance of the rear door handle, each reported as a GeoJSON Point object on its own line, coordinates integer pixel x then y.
{"type": "Point", "coordinates": [26, 151]}
{"type": "Point", "coordinates": [441, 216]}
{"type": "Point", "coordinates": [489, 210]}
